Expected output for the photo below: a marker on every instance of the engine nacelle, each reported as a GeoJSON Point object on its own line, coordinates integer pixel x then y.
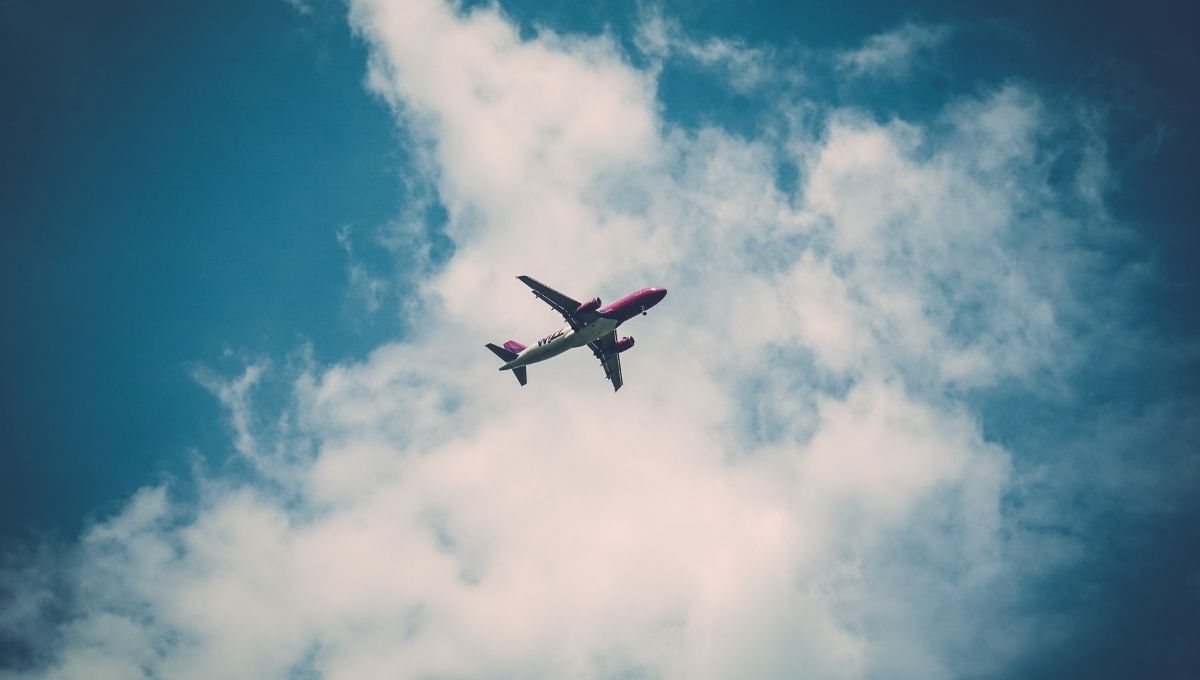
{"type": "Point", "coordinates": [589, 306]}
{"type": "Point", "coordinates": [622, 344]}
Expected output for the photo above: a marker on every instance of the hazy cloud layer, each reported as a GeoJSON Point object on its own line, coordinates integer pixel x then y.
{"type": "Point", "coordinates": [892, 53]}
{"type": "Point", "coordinates": [740, 66]}
{"type": "Point", "coordinates": [793, 480]}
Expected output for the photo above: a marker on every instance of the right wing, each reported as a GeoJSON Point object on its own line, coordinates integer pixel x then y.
{"type": "Point", "coordinates": [563, 304]}
{"type": "Point", "coordinates": [611, 361]}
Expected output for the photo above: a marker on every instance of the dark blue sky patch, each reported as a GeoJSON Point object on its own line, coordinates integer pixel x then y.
{"type": "Point", "coordinates": [174, 177]}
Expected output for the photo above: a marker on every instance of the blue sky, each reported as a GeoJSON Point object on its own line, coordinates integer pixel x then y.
{"type": "Point", "coordinates": [173, 192]}
{"type": "Point", "coordinates": [931, 339]}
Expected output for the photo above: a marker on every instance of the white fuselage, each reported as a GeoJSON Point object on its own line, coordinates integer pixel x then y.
{"type": "Point", "coordinates": [562, 340]}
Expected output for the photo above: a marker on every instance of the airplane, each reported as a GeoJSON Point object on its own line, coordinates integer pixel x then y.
{"type": "Point", "coordinates": [587, 324]}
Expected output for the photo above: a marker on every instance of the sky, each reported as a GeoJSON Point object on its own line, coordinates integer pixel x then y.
{"type": "Point", "coordinates": [922, 401]}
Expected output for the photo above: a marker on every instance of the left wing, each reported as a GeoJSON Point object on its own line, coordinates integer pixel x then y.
{"type": "Point", "coordinates": [611, 361]}
{"type": "Point", "coordinates": [563, 304]}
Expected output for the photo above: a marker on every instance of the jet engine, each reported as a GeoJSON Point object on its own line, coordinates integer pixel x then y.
{"type": "Point", "coordinates": [589, 306]}
{"type": "Point", "coordinates": [622, 345]}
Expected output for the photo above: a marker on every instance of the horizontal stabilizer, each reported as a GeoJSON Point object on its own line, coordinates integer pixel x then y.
{"type": "Point", "coordinates": [520, 373]}
{"type": "Point", "coordinates": [504, 353]}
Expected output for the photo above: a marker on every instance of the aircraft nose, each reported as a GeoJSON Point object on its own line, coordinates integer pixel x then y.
{"type": "Point", "coordinates": [659, 294]}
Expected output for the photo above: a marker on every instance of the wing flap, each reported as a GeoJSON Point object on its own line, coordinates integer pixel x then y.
{"type": "Point", "coordinates": [610, 361]}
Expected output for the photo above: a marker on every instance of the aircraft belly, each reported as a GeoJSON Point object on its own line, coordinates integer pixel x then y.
{"type": "Point", "coordinates": [555, 348]}
{"type": "Point", "coordinates": [568, 340]}
{"type": "Point", "coordinates": [542, 352]}
{"type": "Point", "coordinates": [595, 330]}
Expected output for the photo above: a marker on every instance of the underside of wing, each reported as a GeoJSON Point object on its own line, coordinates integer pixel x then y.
{"type": "Point", "coordinates": [611, 361]}
{"type": "Point", "coordinates": [563, 304]}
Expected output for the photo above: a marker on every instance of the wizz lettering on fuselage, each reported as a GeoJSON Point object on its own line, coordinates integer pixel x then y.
{"type": "Point", "coordinates": [556, 334]}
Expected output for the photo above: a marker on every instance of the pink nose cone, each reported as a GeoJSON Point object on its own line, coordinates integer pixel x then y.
{"type": "Point", "coordinates": [655, 296]}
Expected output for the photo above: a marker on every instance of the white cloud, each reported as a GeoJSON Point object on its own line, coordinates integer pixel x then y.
{"type": "Point", "coordinates": [892, 53]}
{"type": "Point", "coordinates": [449, 523]}
{"type": "Point", "coordinates": [366, 292]}
{"type": "Point", "coordinates": [742, 67]}
{"type": "Point", "coordinates": [234, 395]}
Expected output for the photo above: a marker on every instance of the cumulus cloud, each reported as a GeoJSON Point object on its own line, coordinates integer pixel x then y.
{"type": "Point", "coordinates": [892, 53]}
{"type": "Point", "coordinates": [791, 482]}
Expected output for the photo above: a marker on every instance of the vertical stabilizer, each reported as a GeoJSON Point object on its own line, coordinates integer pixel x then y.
{"type": "Point", "coordinates": [505, 354]}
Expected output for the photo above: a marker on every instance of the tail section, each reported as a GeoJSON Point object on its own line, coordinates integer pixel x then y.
{"type": "Point", "coordinates": [503, 352]}
{"type": "Point", "coordinates": [507, 353]}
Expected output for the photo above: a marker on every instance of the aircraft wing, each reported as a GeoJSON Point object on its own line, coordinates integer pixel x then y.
{"type": "Point", "coordinates": [563, 304]}
{"type": "Point", "coordinates": [611, 361]}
